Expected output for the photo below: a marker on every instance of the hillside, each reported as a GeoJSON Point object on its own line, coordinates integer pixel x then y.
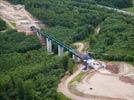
{"type": "Point", "coordinates": [77, 21]}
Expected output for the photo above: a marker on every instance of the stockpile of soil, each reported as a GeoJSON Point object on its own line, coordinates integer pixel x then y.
{"type": "Point", "coordinates": [126, 79]}
{"type": "Point", "coordinates": [113, 68]}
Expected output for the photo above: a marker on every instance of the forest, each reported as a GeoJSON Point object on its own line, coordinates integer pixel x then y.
{"type": "Point", "coordinates": [29, 73]}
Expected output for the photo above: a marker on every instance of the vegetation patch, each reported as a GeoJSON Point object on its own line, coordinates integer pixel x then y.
{"type": "Point", "coordinates": [77, 80]}
{"type": "Point", "coordinates": [2, 25]}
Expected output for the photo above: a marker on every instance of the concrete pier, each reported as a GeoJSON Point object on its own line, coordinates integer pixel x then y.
{"type": "Point", "coordinates": [49, 45]}
{"type": "Point", "coordinates": [39, 35]}
{"type": "Point", "coordinates": [77, 59]}
{"type": "Point", "coordinates": [60, 50]}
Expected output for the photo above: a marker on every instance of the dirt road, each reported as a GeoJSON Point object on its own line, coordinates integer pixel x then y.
{"type": "Point", "coordinates": [63, 86]}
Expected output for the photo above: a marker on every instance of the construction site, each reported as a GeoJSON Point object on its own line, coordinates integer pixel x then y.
{"type": "Point", "coordinates": [100, 81]}
{"type": "Point", "coordinates": [17, 17]}
{"type": "Point", "coordinates": [115, 82]}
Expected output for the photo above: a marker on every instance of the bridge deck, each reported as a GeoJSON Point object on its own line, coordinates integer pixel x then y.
{"type": "Point", "coordinates": [68, 48]}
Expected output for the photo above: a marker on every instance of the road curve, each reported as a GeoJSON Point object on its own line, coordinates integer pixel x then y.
{"type": "Point", "coordinates": [63, 86]}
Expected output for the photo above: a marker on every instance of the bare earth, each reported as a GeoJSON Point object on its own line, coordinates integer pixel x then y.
{"type": "Point", "coordinates": [107, 85]}
{"type": "Point", "coordinates": [102, 84]}
{"type": "Point", "coordinates": [17, 17]}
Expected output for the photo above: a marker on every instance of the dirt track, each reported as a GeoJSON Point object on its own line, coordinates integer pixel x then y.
{"type": "Point", "coordinates": [63, 86]}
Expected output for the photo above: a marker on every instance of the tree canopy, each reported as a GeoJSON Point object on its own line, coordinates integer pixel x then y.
{"type": "Point", "coordinates": [2, 25]}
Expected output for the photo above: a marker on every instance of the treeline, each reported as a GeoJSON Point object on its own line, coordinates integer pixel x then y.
{"type": "Point", "coordinates": [116, 3]}
{"type": "Point", "coordinates": [12, 41]}
{"type": "Point", "coordinates": [2, 25]}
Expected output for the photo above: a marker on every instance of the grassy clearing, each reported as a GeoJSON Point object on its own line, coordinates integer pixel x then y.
{"type": "Point", "coordinates": [13, 23]}
{"type": "Point", "coordinates": [77, 79]}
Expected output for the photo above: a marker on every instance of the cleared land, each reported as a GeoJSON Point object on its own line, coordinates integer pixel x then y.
{"type": "Point", "coordinates": [116, 82]}
{"type": "Point", "coordinates": [17, 17]}
{"type": "Point", "coordinates": [104, 84]}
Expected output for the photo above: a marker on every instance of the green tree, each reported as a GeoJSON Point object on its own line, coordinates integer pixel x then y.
{"type": "Point", "coordinates": [71, 65]}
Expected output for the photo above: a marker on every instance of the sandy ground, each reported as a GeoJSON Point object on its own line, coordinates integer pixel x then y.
{"type": "Point", "coordinates": [17, 17]}
{"type": "Point", "coordinates": [99, 85]}
{"type": "Point", "coordinates": [106, 85]}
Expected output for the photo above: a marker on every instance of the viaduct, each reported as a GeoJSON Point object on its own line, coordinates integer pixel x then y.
{"type": "Point", "coordinates": [61, 46]}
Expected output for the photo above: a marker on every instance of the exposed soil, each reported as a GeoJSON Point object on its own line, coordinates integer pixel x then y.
{"type": "Point", "coordinates": [113, 68]}
{"type": "Point", "coordinates": [17, 17]}
{"type": "Point", "coordinates": [113, 83]}
{"type": "Point", "coordinates": [127, 79]}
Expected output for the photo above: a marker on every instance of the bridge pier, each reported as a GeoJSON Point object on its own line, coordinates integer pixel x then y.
{"type": "Point", "coordinates": [39, 35]}
{"type": "Point", "coordinates": [77, 59]}
{"type": "Point", "coordinates": [49, 45]}
{"type": "Point", "coordinates": [60, 50]}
